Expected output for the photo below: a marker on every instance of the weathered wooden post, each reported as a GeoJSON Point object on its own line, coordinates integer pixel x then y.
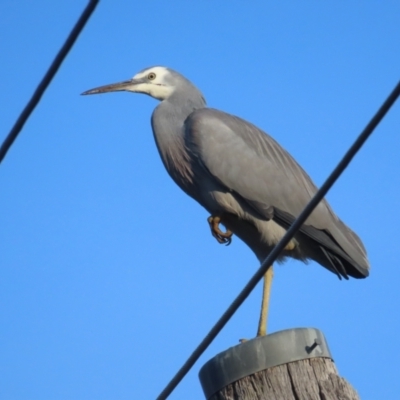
{"type": "Point", "coordinates": [294, 364]}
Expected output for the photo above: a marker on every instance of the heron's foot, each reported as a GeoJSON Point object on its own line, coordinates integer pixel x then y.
{"type": "Point", "coordinates": [222, 237]}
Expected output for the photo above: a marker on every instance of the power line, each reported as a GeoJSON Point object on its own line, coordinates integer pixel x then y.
{"type": "Point", "coordinates": [345, 161]}
{"type": "Point", "coordinates": [37, 95]}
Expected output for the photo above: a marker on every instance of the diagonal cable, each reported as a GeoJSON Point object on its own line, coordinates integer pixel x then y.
{"type": "Point", "coordinates": [37, 95]}
{"type": "Point", "coordinates": [345, 161]}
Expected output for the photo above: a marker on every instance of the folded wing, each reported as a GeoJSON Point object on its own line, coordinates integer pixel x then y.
{"type": "Point", "coordinates": [250, 163]}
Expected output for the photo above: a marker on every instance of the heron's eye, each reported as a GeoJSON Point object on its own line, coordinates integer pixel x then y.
{"type": "Point", "coordinates": [151, 76]}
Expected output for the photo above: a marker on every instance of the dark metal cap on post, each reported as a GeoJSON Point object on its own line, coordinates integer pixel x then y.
{"type": "Point", "coordinates": [261, 353]}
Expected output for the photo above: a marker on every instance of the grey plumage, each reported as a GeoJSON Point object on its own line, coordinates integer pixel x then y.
{"type": "Point", "coordinates": [238, 172]}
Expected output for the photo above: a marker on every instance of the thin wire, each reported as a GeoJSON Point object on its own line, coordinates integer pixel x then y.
{"type": "Point", "coordinates": [281, 245]}
{"type": "Point", "coordinates": [27, 111]}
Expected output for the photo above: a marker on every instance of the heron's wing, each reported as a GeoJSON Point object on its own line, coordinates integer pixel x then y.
{"type": "Point", "coordinates": [249, 162]}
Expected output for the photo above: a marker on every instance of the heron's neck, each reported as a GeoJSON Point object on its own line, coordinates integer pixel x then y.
{"type": "Point", "coordinates": [168, 127]}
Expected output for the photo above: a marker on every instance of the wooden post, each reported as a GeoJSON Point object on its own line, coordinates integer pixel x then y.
{"type": "Point", "coordinates": [311, 379]}
{"type": "Point", "coordinates": [294, 364]}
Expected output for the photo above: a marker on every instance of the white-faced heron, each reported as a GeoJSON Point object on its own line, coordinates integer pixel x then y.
{"type": "Point", "coordinates": [243, 178]}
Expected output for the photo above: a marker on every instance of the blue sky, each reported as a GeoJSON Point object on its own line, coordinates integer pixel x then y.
{"type": "Point", "coordinates": [109, 275]}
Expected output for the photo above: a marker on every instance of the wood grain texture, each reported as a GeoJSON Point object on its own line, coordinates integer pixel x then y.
{"type": "Point", "coordinates": [311, 379]}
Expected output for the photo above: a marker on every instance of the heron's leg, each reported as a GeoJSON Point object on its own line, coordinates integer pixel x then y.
{"type": "Point", "coordinates": [222, 237]}
{"type": "Point", "coordinates": [262, 324]}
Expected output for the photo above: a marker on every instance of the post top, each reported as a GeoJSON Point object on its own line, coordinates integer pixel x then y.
{"type": "Point", "coordinates": [261, 353]}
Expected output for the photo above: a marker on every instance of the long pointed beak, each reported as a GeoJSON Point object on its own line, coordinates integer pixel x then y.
{"type": "Point", "coordinates": [115, 87]}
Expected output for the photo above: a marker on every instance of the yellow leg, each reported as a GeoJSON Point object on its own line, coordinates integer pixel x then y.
{"type": "Point", "coordinates": [262, 325]}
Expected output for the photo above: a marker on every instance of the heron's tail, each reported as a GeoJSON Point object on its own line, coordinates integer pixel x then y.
{"type": "Point", "coordinates": [357, 264]}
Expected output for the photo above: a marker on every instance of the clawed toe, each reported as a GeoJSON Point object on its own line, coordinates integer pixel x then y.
{"type": "Point", "coordinates": [222, 237]}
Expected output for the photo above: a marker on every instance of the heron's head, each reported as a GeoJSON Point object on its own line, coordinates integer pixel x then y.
{"type": "Point", "coordinates": [157, 82]}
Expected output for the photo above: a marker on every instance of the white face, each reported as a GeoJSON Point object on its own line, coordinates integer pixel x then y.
{"type": "Point", "coordinates": [155, 84]}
